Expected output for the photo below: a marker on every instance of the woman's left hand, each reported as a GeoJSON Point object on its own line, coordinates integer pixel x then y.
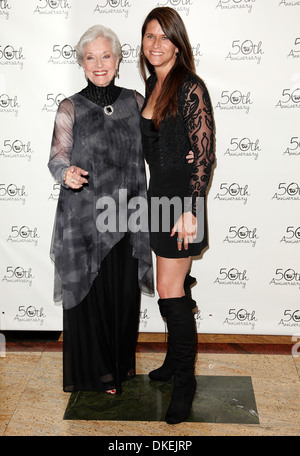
{"type": "Point", "coordinates": [190, 157]}
{"type": "Point", "coordinates": [186, 229]}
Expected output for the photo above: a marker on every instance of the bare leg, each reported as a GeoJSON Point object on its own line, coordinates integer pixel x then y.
{"type": "Point", "coordinates": [171, 273]}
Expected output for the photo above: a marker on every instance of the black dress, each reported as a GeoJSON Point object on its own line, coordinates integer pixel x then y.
{"type": "Point", "coordinates": [172, 184]}
{"type": "Point", "coordinates": [99, 274]}
{"type": "Point", "coordinates": [100, 333]}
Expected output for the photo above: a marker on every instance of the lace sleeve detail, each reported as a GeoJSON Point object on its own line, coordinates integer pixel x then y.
{"type": "Point", "coordinates": [198, 118]}
{"type": "Point", "coordinates": [62, 140]}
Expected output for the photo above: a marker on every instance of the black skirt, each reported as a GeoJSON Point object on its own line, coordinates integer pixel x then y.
{"type": "Point", "coordinates": [100, 334]}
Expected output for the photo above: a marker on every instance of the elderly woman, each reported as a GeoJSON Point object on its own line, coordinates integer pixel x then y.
{"type": "Point", "coordinates": [100, 265]}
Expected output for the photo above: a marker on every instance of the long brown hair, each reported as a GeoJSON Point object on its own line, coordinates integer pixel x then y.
{"type": "Point", "coordinates": [174, 28]}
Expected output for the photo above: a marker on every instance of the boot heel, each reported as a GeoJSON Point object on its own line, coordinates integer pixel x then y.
{"type": "Point", "coordinates": [181, 402]}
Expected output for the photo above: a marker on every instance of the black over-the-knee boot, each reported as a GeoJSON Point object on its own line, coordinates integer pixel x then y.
{"type": "Point", "coordinates": [165, 372]}
{"type": "Point", "coordinates": [182, 332]}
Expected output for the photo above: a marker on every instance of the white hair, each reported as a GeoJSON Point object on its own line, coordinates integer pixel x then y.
{"type": "Point", "coordinates": [92, 34]}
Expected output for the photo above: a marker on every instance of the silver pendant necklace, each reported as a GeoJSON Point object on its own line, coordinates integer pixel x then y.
{"type": "Point", "coordinates": [108, 110]}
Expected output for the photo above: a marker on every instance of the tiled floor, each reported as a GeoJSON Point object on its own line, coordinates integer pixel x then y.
{"type": "Point", "coordinates": [32, 402]}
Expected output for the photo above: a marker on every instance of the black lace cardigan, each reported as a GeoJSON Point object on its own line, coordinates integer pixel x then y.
{"type": "Point", "coordinates": [192, 129]}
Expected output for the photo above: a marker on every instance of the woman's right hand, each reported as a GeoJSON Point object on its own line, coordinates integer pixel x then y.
{"type": "Point", "coordinates": [73, 177]}
{"type": "Point", "coordinates": [186, 229]}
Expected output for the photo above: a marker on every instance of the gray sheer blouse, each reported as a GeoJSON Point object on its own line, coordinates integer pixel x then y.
{"type": "Point", "coordinates": [109, 148]}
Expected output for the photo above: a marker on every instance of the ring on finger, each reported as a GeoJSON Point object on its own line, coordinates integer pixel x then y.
{"type": "Point", "coordinates": [73, 180]}
{"type": "Point", "coordinates": [179, 239]}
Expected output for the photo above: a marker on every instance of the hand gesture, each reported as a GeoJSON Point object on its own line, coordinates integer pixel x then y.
{"type": "Point", "coordinates": [186, 229]}
{"type": "Point", "coordinates": [73, 177]}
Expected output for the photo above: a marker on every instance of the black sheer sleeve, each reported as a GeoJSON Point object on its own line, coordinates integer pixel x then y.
{"type": "Point", "coordinates": [199, 122]}
{"type": "Point", "coordinates": [139, 99]}
{"type": "Point", "coordinates": [62, 140]}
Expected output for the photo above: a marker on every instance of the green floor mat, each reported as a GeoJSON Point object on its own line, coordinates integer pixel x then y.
{"type": "Point", "coordinates": [218, 399]}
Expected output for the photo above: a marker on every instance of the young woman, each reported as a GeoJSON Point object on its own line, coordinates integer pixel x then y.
{"type": "Point", "coordinates": [176, 117]}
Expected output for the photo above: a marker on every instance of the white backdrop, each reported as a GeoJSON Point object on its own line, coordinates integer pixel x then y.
{"type": "Point", "coordinates": [248, 53]}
